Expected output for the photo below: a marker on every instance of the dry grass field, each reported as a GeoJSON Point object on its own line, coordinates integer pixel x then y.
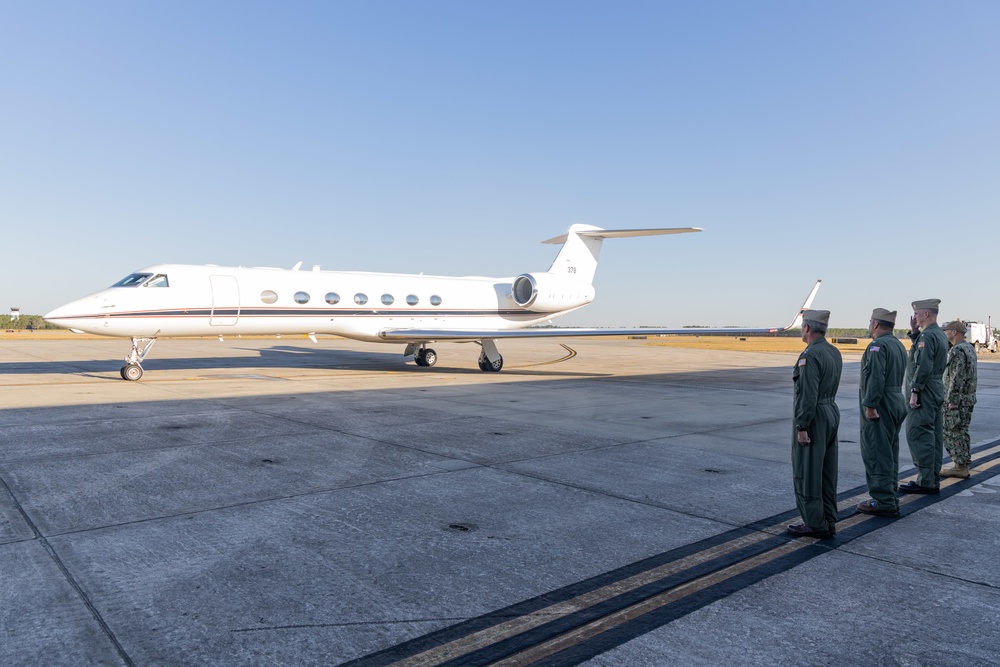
{"type": "Point", "coordinates": [748, 343]}
{"type": "Point", "coordinates": [44, 334]}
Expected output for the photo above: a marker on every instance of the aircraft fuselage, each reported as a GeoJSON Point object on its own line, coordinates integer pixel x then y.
{"type": "Point", "coordinates": [191, 300]}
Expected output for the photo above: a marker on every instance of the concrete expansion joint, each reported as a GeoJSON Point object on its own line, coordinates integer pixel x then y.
{"type": "Point", "coordinates": [71, 580]}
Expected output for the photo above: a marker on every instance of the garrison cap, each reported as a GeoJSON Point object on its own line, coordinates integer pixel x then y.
{"type": "Point", "coordinates": [927, 304]}
{"type": "Point", "coordinates": [821, 316]}
{"type": "Point", "coordinates": [884, 315]}
{"type": "Point", "coordinates": [955, 326]}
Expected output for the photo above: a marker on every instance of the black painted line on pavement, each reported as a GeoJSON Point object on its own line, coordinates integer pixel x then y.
{"type": "Point", "coordinates": [577, 622]}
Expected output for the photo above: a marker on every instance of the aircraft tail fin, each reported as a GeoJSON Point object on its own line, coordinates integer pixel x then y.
{"type": "Point", "coordinates": [581, 246]}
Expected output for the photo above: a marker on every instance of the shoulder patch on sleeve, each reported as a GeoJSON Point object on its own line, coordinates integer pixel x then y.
{"type": "Point", "coordinates": [802, 361]}
{"type": "Point", "coordinates": [874, 348]}
{"type": "Point", "coordinates": [920, 344]}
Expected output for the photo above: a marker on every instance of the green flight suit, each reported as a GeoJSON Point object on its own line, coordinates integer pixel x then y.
{"type": "Point", "coordinates": [883, 366]}
{"type": "Point", "coordinates": [816, 378]}
{"type": "Point", "coordinates": [925, 424]}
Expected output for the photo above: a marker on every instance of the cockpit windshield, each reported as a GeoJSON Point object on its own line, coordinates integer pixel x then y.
{"type": "Point", "coordinates": [133, 280]}
{"type": "Point", "coordinates": [144, 279]}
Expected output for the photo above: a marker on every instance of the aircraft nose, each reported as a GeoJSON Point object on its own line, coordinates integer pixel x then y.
{"type": "Point", "coordinates": [55, 314]}
{"type": "Point", "coordinates": [68, 315]}
{"type": "Point", "coordinates": [58, 316]}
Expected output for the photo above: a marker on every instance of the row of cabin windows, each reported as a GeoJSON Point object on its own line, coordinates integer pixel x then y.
{"type": "Point", "coordinates": [332, 298]}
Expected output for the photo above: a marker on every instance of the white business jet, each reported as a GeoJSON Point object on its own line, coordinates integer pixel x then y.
{"type": "Point", "coordinates": [168, 300]}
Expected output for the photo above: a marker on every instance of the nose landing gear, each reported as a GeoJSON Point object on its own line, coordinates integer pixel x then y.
{"type": "Point", "coordinates": [132, 370]}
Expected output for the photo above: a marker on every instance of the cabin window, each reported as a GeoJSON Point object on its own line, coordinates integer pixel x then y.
{"type": "Point", "coordinates": [412, 300]}
{"type": "Point", "coordinates": [332, 298]}
{"type": "Point", "coordinates": [360, 299]}
{"type": "Point", "coordinates": [159, 280]}
{"type": "Point", "coordinates": [435, 300]}
{"type": "Point", "coordinates": [387, 299]}
{"type": "Point", "coordinates": [301, 297]}
{"type": "Point", "coordinates": [133, 280]}
{"type": "Point", "coordinates": [267, 296]}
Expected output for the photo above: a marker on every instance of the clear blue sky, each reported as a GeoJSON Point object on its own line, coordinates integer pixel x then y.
{"type": "Point", "coordinates": [855, 142]}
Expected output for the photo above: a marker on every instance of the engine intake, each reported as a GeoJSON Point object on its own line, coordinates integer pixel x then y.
{"type": "Point", "coordinates": [549, 293]}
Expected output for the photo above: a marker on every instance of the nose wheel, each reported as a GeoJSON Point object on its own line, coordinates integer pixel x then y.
{"type": "Point", "coordinates": [131, 372]}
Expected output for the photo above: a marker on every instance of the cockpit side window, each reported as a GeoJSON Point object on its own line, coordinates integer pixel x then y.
{"type": "Point", "coordinates": [159, 280]}
{"type": "Point", "coordinates": [133, 280]}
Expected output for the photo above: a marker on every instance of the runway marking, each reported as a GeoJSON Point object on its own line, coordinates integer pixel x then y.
{"type": "Point", "coordinates": [577, 622]}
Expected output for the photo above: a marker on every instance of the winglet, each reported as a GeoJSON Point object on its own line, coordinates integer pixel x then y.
{"type": "Point", "coordinates": [797, 321]}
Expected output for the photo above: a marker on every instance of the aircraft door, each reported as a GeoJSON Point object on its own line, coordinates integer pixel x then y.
{"type": "Point", "coordinates": [225, 301]}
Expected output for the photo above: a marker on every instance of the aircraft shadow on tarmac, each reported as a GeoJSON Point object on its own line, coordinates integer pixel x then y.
{"type": "Point", "coordinates": [283, 357]}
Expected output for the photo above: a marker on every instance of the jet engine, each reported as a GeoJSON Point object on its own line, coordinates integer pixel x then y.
{"type": "Point", "coordinates": [549, 292]}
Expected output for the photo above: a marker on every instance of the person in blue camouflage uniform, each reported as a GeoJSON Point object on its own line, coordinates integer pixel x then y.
{"type": "Point", "coordinates": [816, 419]}
{"type": "Point", "coordinates": [960, 380]}
{"type": "Point", "coordinates": [925, 386]}
{"type": "Point", "coordinates": [883, 410]}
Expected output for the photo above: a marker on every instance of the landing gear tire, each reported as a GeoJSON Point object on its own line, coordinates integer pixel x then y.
{"type": "Point", "coordinates": [488, 366]}
{"type": "Point", "coordinates": [425, 357]}
{"type": "Point", "coordinates": [131, 372]}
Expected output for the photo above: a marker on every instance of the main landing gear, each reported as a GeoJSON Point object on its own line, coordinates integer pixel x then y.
{"type": "Point", "coordinates": [490, 360]}
{"type": "Point", "coordinates": [422, 355]}
{"type": "Point", "coordinates": [488, 366]}
{"type": "Point", "coordinates": [132, 370]}
{"type": "Point", "coordinates": [425, 356]}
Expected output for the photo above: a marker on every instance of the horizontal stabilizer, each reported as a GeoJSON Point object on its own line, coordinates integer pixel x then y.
{"type": "Point", "coordinates": [624, 233]}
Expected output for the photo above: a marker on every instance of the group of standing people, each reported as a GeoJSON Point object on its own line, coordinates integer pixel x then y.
{"type": "Point", "coordinates": [939, 374]}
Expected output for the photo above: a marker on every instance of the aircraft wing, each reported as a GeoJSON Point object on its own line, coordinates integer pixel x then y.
{"type": "Point", "coordinates": [427, 335]}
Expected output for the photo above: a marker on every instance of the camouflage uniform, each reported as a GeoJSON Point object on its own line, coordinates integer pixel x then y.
{"type": "Point", "coordinates": [959, 389]}
{"type": "Point", "coordinates": [814, 466]}
{"type": "Point", "coordinates": [924, 424]}
{"type": "Point", "coordinates": [882, 367]}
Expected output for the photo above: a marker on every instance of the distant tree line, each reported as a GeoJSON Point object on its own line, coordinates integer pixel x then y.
{"type": "Point", "coordinates": [29, 322]}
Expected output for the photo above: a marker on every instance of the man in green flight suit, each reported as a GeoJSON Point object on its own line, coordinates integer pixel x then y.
{"type": "Point", "coordinates": [883, 410]}
{"type": "Point", "coordinates": [925, 387]}
{"type": "Point", "coordinates": [960, 380]}
{"type": "Point", "coordinates": [816, 378]}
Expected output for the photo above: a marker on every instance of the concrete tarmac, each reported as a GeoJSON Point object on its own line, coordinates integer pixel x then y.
{"type": "Point", "coordinates": [279, 502]}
